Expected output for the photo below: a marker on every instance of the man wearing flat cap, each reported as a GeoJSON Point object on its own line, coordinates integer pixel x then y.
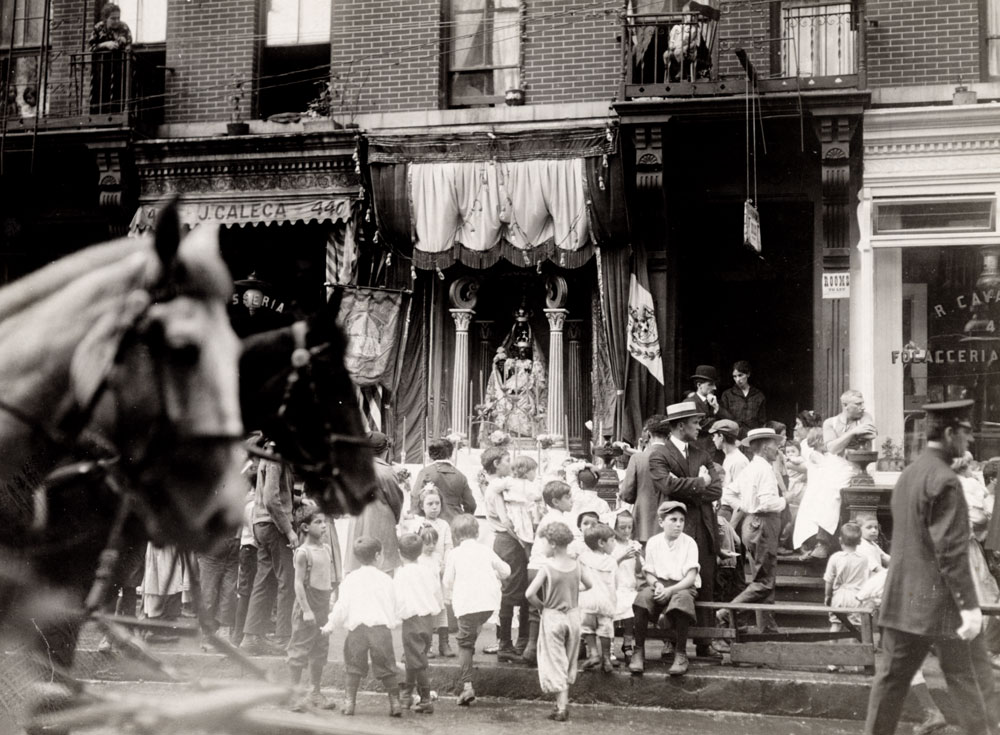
{"type": "Point", "coordinates": [682, 471]}
{"type": "Point", "coordinates": [930, 598]}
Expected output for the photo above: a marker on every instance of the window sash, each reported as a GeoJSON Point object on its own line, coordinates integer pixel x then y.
{"type": "Point", "coordinates": [991, 37]}
{"type": "Point", "coordinates": [818, 39]}
{"type": "Point", "coordinates": [24, 19]}
{"type": "Point", "coordinates": [147, 19]}
{"type": "Point", "coordinates": [485, 37]}
{"type": "Point", "coordinates": [298, 22]}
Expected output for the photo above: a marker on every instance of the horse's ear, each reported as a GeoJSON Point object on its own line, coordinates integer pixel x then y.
{"type": "Point", "coordinates": [168, 233]}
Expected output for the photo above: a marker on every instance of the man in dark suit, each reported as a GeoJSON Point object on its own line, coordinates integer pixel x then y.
{"type": "Point", "coordinates": [680, 470]}
{"type": "Point", "coordinates": [456, 495]}
{"type": "Point", "coordinates": [930, 598]}
{"type": "Point", "coordinates": [706, 379]}
{"type": "Point", "coordinates": [638, 489]}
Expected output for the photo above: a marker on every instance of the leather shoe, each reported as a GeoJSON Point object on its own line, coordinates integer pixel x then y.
{"type": "Point", "coordinates": [637, 663]}
{"type": "Point", "coordinates": [934, 723]}
{"type": "Point", "coordinates": [680, 665]}
{"type": "Point", "coordinates": [668, 651]}
{"type": "Point", "coordinates": [706, 652]}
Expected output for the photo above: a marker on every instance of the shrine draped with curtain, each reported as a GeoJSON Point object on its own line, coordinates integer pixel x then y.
{"type": "Point", "coordinates": [525, 197]}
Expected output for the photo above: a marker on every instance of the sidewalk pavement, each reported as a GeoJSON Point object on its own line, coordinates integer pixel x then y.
{"type": "Point", "coordinates": [707, 686]}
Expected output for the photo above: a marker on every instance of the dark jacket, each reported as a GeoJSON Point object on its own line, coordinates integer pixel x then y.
{"type": "Point", "coordinates": [456, 495]}
{"type": "Point", "coordinates": [651, 469]}
{"type": "Point", "coordinates": [749, 411]}
{"type": "Point", "coordinates": [929, 577]}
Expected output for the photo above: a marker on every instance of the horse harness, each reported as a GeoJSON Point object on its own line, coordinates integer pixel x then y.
{"type": "Point", "coordinates": [300, 372]}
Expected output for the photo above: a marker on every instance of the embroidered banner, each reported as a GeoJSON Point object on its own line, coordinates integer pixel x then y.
{"type": "Point", "coordinates": [371, 320]}
{"type": "Point", "coordinates": [643, 338]}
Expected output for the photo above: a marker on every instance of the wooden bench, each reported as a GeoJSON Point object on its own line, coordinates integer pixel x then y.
{"type": "Point", "coordinates": [854, 646]}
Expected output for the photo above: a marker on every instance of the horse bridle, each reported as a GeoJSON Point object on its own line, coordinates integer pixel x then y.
{"type": "Point", "coordinates": [301, 372]}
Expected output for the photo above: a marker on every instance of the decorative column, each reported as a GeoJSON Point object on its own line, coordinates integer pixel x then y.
{"type": "Point", "coordinates": [460, 372]}
{"type": "Point", "coordinates": [556, 409]}
{"type": "Point", "coordinates": [835, 128]}
{"type": "Point", "coordinates": [462, 295]}
{"type": "Point", "coordinates": [574, 385]}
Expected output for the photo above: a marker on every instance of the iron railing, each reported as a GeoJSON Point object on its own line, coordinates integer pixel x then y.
{"type": "Point", "coordinates": [802, 45]}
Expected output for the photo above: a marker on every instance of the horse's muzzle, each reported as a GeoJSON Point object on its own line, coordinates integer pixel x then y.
{"type": "Point", "coordinates": [196, 493]}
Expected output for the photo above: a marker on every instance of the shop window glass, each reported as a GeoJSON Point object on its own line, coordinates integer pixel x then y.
{"type": "Point", "coordinates": [939, 215]}
{"type": "Point", "coordinates": [817, 39]}
{"type": "Point", "coordinates": [951, 338]}
{"type": "Point", "coordinates": [485, 50]}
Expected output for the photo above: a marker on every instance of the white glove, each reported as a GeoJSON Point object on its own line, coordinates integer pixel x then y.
{"type": "Point", "coordinates": [704, 474]}
{"type": "Point", "coordinates": [972, 624]}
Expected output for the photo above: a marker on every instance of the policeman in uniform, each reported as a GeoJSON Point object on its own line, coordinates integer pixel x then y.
{"type": "Point", "coordinates": [930, 598]}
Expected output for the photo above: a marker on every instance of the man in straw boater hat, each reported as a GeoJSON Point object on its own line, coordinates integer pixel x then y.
{"type": "Point", "coordinates": [760, 506]}
{"type": "Point", "coordinates": [930, 598]}
{"type": "Point", "coordinates": [681, 470]}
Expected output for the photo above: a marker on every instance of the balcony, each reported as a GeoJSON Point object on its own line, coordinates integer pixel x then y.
{"type": "Point", "coordinates": [788, 46]}
{"type": "Point", "coordinates": [102, 91]}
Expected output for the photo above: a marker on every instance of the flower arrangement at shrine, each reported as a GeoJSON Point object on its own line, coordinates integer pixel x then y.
{"type": "Point", "coordinates": [546, 441]}
{"type": "Point", "coordinates": [498, 438]}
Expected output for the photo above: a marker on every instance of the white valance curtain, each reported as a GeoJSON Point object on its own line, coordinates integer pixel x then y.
{"type": "Point", "coordinates": [466, 210]}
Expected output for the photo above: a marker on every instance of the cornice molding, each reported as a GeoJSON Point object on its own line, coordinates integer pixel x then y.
{"type": "Point", "coordinates": [302, 162]}
{"type": "Point", "coordinates": [932, 131]}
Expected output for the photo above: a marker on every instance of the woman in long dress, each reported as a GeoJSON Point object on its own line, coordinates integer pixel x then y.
{"type": "Point", "coordinates": [379, 518]}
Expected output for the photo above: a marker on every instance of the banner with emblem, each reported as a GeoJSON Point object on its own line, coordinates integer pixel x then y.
{"type": "Point", "coordinates": [643, 337]}
{"type": "Point", "coordinates": [372, 321]}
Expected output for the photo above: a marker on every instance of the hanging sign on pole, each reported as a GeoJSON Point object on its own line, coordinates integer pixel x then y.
{"type": "Point", "coordinates": [751, 226]}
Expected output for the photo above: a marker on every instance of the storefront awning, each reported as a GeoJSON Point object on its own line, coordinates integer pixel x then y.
{"type": "Point", "coordinates": [252, 210]}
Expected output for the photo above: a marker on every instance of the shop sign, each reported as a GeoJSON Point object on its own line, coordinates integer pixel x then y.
{"type": "Point", "coordinates": [751, 226]}
{"type": "Point", "coordinates": [836, 285]}
{"type": "Point", "coordinates": [965, 302]}
{"type": "Point", "coordinates": [918, 356]}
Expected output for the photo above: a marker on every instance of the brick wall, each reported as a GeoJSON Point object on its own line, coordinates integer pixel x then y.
{"type": "Point", "coordinates": [209, 43]}
{"type": "Point", "coordinates": [571, 51]}
{"type": "Point", "coordinates": [67, 36]}
{"type": "Point", "coordinates": [920, 42]}
{"type": "Point", "coordinates": [385, 53]}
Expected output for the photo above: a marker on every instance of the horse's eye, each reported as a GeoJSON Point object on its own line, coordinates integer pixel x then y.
{"type": "Point", "coordinates": [186, 356]}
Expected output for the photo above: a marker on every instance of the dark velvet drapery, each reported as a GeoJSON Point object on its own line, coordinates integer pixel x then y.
{"type": "Point", "coordinates": [410, 398]}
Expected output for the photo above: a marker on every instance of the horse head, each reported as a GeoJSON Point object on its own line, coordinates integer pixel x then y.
{"type": "Point", "coordinates": [158, 379]}
{"type": "Point", "coordinates": [295, 388]}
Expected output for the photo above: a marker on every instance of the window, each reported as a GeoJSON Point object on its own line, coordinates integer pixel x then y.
{"type": "Point", "coordinates": [935, 215]}
{"type": "Point", "coordinates": [295, 60]}
{"type": "Point", "coordinates": [949, 345]}
{"type": "Point", "coordinates": [298, 22]}
{"type": "Point", "coordinates": [147, 19]}
{"type": "Point", "coordinates": [817, 39]}
{"type": "Point", "coordinates": [989, 24]}
{"type": "Point", "coordinates": [22, 22]}
{"type": "Point", "coordinates": [21, 28]}
{"type": "Point", "coordinates": [484, 50]}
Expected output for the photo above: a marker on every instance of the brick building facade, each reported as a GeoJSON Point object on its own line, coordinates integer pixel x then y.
{"type": "Point", "coordinates": [449, 74]}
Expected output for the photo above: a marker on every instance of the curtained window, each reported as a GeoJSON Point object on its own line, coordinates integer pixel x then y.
{"type": "Point", "coordinates": [484, 50]}
{"type": "Point", "coordinates": [990, 25]}
{"type": "Point", "coordinates": [298, 22]}
{"type": "Point", "coordinates": [818, 39]}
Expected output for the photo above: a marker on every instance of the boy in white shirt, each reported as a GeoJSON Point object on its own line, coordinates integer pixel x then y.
{"type": "Point", "coordinates": [366, 607]}
{"type": "Point", "coordinates": [672, 582]}
{"type": "Point", "coordinates": [472, 575]}
{"type": "Point", "coordinates": [418, 603]}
